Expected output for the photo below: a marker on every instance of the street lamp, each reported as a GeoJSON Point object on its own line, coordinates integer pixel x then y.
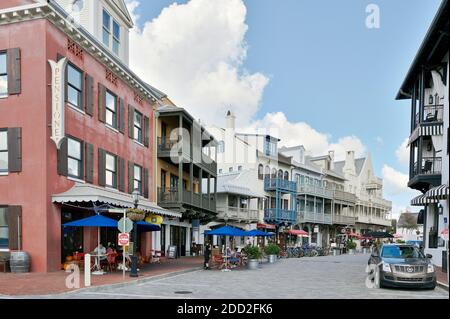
{"type": "Point", "coordinates": [133, 272]}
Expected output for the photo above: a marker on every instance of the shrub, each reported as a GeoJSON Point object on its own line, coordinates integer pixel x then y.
{"type": "Point", "coordinates": [272, 249]}
{"type": "Point", "coordinates": [253, 252]}
{"type": "Point", "coordinates": [351, 244]}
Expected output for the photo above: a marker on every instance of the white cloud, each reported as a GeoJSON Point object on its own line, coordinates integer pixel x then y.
{"type": "Point", "coordinates": [300, 133]}
{"type": "Point", "coordinates": [395, 182]}
{"type": "Point", "coordinates": [379, 140]}
{"type": "Point", "coordinates": [402, 152]}
{"type": "Point", "coordinates": [195, 53]}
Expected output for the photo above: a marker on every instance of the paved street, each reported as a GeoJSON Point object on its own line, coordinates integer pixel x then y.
{"type": "Point", "coordinates": [319, 277]}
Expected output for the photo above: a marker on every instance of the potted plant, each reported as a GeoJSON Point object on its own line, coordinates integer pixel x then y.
{"type": "Point", "coordinates": [272, 251]}
{"type": "Point", "coordinates": [136, 215]}
{"type": "Point", "coordinates": [253, 254]}
{"type": "Point", "coordinates": [351, 246]}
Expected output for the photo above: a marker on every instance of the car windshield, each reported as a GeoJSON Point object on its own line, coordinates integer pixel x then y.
{"type": "Point", "coordinates": [401, 252]}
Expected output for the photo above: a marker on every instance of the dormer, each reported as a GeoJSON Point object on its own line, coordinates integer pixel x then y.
{"type": "Point", "coordinates": [107, 20]}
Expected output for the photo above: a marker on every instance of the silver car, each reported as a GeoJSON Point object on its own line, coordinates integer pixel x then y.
{"type": "Point", "coordinates": [397, 265]}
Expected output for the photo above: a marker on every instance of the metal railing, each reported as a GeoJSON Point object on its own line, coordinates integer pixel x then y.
{"type": "Point", "coordinates": [166, 144]}
{"type": "Point", "coordinates": [344, 196]}
{"type": "Point", "coordinates": [433, 113]}
{"type": "Point", "coordinates": [279, 184]}
{"type": "Point", "coordinates": [429, 166]}
{"type": "Point", "coordinates": [168, 195]}
{"type": "Point", "coordinates": [314, 190]}
{"type": "Point", "coordinates": [373, 220]}
{"type": "Point", "coordinates": [345, 220]}
{"type": "Point", "coordinates": [311, 217]}
{"type": "Point", "coordinates": [238, 213]}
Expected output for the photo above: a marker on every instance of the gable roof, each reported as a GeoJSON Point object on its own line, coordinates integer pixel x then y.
{"type": "Point", "coordinates": [122, 8]}
{"type": "Point", "coordinates": [359, 163]}
{"type": "Point", "coordinates": [236, 183]}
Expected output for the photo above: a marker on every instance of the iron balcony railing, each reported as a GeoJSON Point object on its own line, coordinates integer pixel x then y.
{"type": "Point", "coordinates": [278, 216]}
{"type": "Point", "coordinates": [314, 190]}
{"type": "Point", "coordinates": [344, 196]}
{"type": "Point", "coordinates": [344, 220]}
{"type": "Point", "coordinates": [373, 220]}
{"type": "Point", "coordinates": [433, 113]}
{"type": "Point", "coordinates": [428, 166]}
{"type": "Point", "coordinates": [311, 217]}
{"type": "Point", "coordinates": [171, 196]}
{"type": "Point", "coordinates": [166, 144]}
{"type": "Point", "coordinates": [273, 184]}
{"type": "Point", "coordinates": [238, 213]}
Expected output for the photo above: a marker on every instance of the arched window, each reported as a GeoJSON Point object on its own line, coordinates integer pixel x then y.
{"type": "Point", "coordinates": [280, 174]}
{"type": "Point", "coordinates": [267, 172]}
{"type": "Point", "coordinates": [274, 173]}
{"type": "Point", "coordinates": [260, 171]}
{"type": "Point", "coordinates": [286, 175]}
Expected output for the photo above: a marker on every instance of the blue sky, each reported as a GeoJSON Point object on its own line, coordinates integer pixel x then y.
{"type": "Point", "coordinates": [330, 71]}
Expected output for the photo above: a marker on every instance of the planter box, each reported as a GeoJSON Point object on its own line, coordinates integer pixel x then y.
{"type": "Point", "coordinates": [253, 264]}
{"type": "Point", "coordinates": [272, 259]}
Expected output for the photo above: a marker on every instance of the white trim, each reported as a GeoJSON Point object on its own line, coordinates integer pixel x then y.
{"type": "Point", "coordinates": [4, 173]}
{"type": "Point", "coordinates": [4, 250]}
{"type": "Point", "coordinates": [138, 143]}
{"type": "Point", "coordinates": [73, 107]}
{"type": "Point", "coordinates": [76, 179]}
{"type": "Point", "coordinates": [24, 7]}
{"type": "Point", "coordinates": [4, 96]}
{"type": "Point", "coordinates": [111, 128]}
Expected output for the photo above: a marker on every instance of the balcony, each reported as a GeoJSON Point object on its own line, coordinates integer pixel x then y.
{"type": "Point", "coordinates": [374, 220]}
{"type": "Point", "coordinates": [278, 184]}
{"type": "Point", "coordinates": [426, 172]}
{"type": "Point", "coordinates": [239, 214]}
{"type": "Point", "coordinates": [278, 216]}
{"type": "Point", "coordinates": [314, 191]}
{"type": "Point", "coordinates": [375, 183]}
{"type": "Point", "coordinates": [433, 113]}
{"type": "Point", "coordinates": [166, 146]}
{"type": "Point", "coordinates": [344, 220]}
{"type": "Point", "coordinates": [311, 217]}
{"type": "Point", "coordinates": [344, 196]}
{"type": "Point", "coordinates": [170, 197]}
{"type": "Point", "coordinates": [208, 164]}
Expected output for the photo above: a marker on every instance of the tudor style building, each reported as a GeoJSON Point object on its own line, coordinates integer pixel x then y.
{"type": "Point", "coordinates": [76, 126]}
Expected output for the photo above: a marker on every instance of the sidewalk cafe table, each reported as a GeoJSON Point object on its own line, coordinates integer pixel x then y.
{"type": "Point", "coordinates": [97, 269]}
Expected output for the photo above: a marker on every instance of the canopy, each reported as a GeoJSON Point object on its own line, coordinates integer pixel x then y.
{"type": "Point", "coordinates": [378, 234]}
{"type": "Point", "coordinates": [258, 233]}
{"type": "Point", "coordinates": [227, 231]}
{"type": "Point", "coordinates": [437, 193]}
{"type": "Point", "coordinates": [147, 227]}
{"type": "Point", "coordinates": [298, 232]}
{"type": "Point", "coordinates": [93, 221]}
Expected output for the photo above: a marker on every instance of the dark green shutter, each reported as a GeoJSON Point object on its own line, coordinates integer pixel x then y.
{"type": "Point", "coordinates": [146, 129]}
{"type": "Point", "coordinates": [130, 177]}
{"type": "Point", "coordinates": [15, 150]}
{"type": "Point", "coordinates": [62, 159]}
{"type": "Point", "coordinates": [145, 183]}
{"type": "Point", "coordinates": [121, 117]}
{"type": "Point", "coordinates": [89, 163]}
{"type": "Point", "coordinates": [101, 103]}
{"type": "Point", "coordinates": [101, 167]}
{"type": "Point", "coordinates": [130, 122]}
{"type": "Point", "coordinates": [89, 101]}
{"type": "Point", "coordinates": [13, 66]}
{"type": "Point", "coordinates": [14, 220]}
{"type": "Point", "coordinates": [121, 169]}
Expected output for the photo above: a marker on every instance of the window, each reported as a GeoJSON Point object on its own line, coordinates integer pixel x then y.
{"type": "Point", "coordinates": [267, 172]}
{"type": "Point", "coordinates": [274, 173]}
{"type": "Point", "coordinates": [111, 33]}
{"type": "Point", "coordinates": [3, 151]}
{"type": "Point", "coordinates": [280, 174]}
{"type": "Point", "coordinates": [260, 171]}
{"type": "Point", "coordinates": [221, 147]}
{"type": "Point", "coordinates": [138, 178]}
{"type": "Point", "coordinates": [138, 126]}
{"type": "Point", "coordinates": [74, 158]}
{"type": "Point", "coordinates": [111, 171]}
{"type": "Point", "coordinates": [106, 28]}
{"type": "Point", "coordinates": [116, 37]}
{"type": "Point", "coordinates": [239, 168]}
{"type": "Point", "coordinates": [74, 86]}
{"type": "Point", "coordinates": [220, 171]}
{"type": "Point", "coordinates": [286, 175]}
{"type": "Point", "coordinates": [4, 230]}
{"type": "Point", "coordinates": [3, 75]}
{"type": "Point", "coordinates": [230, 169]}
{"type": "Point", "coordinates": [111, 111]}
{"type": "Point", "coordinates": [270, 147]}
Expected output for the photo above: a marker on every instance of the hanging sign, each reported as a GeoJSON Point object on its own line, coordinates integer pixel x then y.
{"type": "Point", "coordinates": [154, 219]}
{"type": "Point", "coordinates": [58, 100]}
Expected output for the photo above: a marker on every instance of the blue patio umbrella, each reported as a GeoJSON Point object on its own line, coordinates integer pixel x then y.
{"type": "Point", "coordinates": [227, 231]}
{"type": "Point", "coordinates": [147, 227]}
{"type": "Point", "coordinates": [93, 221]}
{"type": "Point", "coordinates": [258, 233]}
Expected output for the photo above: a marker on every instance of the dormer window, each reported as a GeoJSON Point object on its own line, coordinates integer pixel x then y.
{"type": "Point", "coordinates": [270, 146]}
{"type": "Point", "coordinates": [111, 32]}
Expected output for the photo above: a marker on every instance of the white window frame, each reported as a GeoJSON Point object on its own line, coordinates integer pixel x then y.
{"type": "Point", "coordinates": [113, 172]}
{"type": "Point", "coordinates": [3, 209]}
{"type": "Point", "coordinates": [110, 31]}
{"type": "Point", "coordinates": [107, 109]}
{"type": "Point", "coordinates": [5, 74]}
{"type": "Point", "coordinates": [137, 179]}
{"type": "Point", "coordinates": [72, 157]}
{"type": "Point", "coordinates": [79, 90]}
{"type": "Point", "coordinates": [5, 171]}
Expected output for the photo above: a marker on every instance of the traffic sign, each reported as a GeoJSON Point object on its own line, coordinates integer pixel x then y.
{"type": "Point", "coordinates": [124, 239]}
{"type": "Point", "coordinates": [125, 225]}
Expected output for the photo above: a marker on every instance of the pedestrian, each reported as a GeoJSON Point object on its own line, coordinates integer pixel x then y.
{"type": "Point", "coordinates": [207, 256]}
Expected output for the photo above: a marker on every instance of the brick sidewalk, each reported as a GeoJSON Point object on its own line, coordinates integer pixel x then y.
{"type": "Point", "coordinates": [441, 276]}
{"type": "Point", "coordinates": [55, 282]}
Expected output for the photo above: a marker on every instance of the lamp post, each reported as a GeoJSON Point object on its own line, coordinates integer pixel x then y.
{"type": "Point", "coordinates": [133, 272]}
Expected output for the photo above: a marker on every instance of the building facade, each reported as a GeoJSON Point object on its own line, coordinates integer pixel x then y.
{"type": "Point", "coordinates": [76, 131]}
{"type": "Point", "coordinates": [426, 85]}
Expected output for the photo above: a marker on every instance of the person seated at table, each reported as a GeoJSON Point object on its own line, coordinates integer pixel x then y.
{"type": "Point", "coordinates": [234, 257]}
{"type": "Point", "coordinates": [100, 250]}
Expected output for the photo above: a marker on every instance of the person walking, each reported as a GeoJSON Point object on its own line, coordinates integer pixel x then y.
{"type": "Point", "coordinates": [207, 256]}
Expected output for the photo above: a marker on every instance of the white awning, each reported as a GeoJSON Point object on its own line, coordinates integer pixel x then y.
{"type": "Point", "coordinates": [82, 193]}
{"type": "Point", "coordinates": [422, 200]}
{"type": "Point", "coordinates": [440, 192]}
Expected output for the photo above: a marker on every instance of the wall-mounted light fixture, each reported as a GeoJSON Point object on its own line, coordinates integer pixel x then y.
{"type": "Point", "coordinates": [440, 209]}
{"type": "Point", "coordinates": [430, 100]}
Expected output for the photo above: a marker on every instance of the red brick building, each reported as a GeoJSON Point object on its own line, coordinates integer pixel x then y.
{"type": "Point", "coordinates": [106, 123]}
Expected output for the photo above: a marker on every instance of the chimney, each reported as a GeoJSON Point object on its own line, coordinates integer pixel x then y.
{"type": "Point", "coordinates": [349, 166]}
{"type": "Point", "coordinates": [231, 121]}
{"type": "Point", "coordinates": [331, 155]}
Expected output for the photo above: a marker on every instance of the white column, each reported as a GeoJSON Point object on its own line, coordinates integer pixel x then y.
{"type": "Point", "coordinates": [188, 241]}
{"type": "Point", "coordinates": [167, 244]}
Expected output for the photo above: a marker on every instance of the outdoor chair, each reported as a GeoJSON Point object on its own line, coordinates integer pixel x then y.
{"type": "Point", "coordinates": [428, 166]}
{"type": "Point", "coordinates": [112, 262]}
{"type": "Point", "coordinates": [218, 261]}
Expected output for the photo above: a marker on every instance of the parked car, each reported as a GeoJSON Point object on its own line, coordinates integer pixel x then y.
{"type": "Point", "coordinates": [418, 243]}
{"type": "Point", "coordinates": [402, 265]}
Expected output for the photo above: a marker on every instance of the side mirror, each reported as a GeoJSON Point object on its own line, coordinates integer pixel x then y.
{"type": "Point", "coordinates": [375, 254]}
{"type": "Point", "coordinates": [429, 256]}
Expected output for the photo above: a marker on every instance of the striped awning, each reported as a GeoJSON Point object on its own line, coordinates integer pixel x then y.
{"type": "Point", "coordinates": [422, 200]}
{"type": "Point", "coordinates": [437, 193]}
{"type": "Point", "coordinates": [426, 130]}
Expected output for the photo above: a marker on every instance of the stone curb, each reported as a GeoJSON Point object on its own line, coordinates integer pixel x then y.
{"type": "Point", "coordinates": [442, 285]}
